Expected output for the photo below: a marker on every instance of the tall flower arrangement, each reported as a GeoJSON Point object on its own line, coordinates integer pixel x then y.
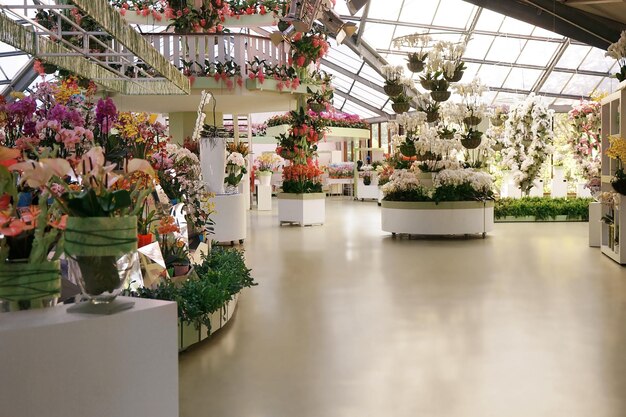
{"type": "Point", "coordinates": [584, 138]}
{"type": "Point", "coordinates": [299, 146]}
{"type": "Point", "coordinates": [528, 132]}
{"type": "Point", "coordinates": [307, 48]}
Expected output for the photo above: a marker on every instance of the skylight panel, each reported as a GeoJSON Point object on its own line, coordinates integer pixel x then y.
{"type": "Point", "coordinates": [493, 75]}
{"type": "Point", "coordinates": [522, 79]}
{"type": "Point", "coordinates": [454, 13]}
{"type": "Point", "coordinates": [596, 61]}
{"type": "Point", "coordinates": [478, 46]}
{"type": "Point", "coordinates": [489, 20]}
{"type": "Point", "coordinates": [573, 56]}
{"type": "Point", "coordinates": [515, 26]}
{"type": "Point", "coordinates": [582, 85]}
{"type": "Point", "coordinates": [537, 53]}
{"type": "Point", "coordinates": [505, 49]}
{"type": "Point", "coordinates": [415, 11]}
{"type": "Point", "coordinates": [555, 82]}
{"type": "Point", "coordinates": [378, 35]}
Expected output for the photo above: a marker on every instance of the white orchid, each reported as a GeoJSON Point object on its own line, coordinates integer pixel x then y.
{"type": "Point", "coordinates": [38, 174]}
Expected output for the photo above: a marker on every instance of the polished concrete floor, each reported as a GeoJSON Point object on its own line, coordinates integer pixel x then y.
{"type": "Point", "coordinates": [348, 322]}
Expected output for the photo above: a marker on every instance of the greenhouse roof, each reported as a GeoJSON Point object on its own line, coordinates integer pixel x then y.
{"type": "Point", "coordinates": [513, 58]}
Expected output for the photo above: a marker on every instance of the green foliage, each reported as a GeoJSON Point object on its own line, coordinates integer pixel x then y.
{"type": "Point", "coordinates": [463, 192]}
{"type": "Point", "coordinates": [416, 194]}
{"type": "Point", "coordinates": [217, 279]}
{"type": "Point", "coordinates": [302, 186]}
{"type": "Point", "coordinates": [543, 208]}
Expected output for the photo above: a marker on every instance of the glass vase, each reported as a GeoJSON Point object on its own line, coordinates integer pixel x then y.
{"type": "Point", "coordinates": [100, 254]}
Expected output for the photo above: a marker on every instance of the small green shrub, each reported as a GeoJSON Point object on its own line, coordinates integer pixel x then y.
{"type": "Point", "coordinates": [543, 208]}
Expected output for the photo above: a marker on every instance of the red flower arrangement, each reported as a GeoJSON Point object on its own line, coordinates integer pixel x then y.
{"type": "Point", "coordinates": [307, 48]}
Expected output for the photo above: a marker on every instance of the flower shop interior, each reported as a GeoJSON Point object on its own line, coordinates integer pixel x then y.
{"type": "Point", "coordinates": [244, 208]}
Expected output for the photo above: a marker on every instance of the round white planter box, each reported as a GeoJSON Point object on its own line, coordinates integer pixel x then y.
{"type": "Point", "coordinates": [229, 218]}
{"type": "Point", "coordinates": [304, 209]}
{"type": "Point", "coordinates": [446, 218]}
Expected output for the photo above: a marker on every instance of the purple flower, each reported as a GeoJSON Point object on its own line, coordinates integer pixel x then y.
{"type": "Point", "coordinates": [23, 108]}
{"type": "Point", "coordinates": [106, 114]}
{"type": "Point", "coordinates": [30, 128]}
{"type": "Point", "coordinates": [58, 113]}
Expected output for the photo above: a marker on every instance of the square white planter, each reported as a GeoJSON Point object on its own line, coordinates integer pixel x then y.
{"type": "Point", "coordinates": [304, 209]}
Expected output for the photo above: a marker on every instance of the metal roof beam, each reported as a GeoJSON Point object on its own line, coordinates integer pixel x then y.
{"type": "Point", "coordinates": [22, 80]}
{"type": "Point", "coordinates": [360, 102]}
{"type": "Point", "coordinates": [554, 16]}
{"type": "Point", "coordinates": [555, 59]}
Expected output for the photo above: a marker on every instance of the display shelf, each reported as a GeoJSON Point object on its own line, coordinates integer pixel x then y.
{"type": "Point", "coordinates": [612, 110]}
{"type": "Point", "coordinates": [446, 218]}
{"type": "Point", "coordinates": [333, 134]}
{"type": "Point", "coordinates": [58, 364]}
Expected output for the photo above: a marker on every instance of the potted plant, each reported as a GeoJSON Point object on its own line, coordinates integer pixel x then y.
{"type": "Point", "coordinates": [430, 107]}
{"type": "Point", "coordinates": [174, 249]}
{"type": "Point", "coordinates": [439, 90]}
{"type": "Point", "coordinates": [453, 65]}
{"type": "Point", "coordinates": [472, 139]}
{"type": "Point", "coordinates": [393, 75]}
{"type": "Point", "coordinates": [27, 278]}
{"type": "Point", "coordinates": [144, 220]}
{"type": "Point", "coordinates": [446, 132]}
{"type": "Point", "coordinates": [617, 151]}
{"type": "Point", "coordinates": [319, 100]}
{"type": "Point", "coordinates": [401, 103]}
{"type": "Point", "coordinates": [266, 165]}
{"type": "Point", "coordinates": [235, 170]}
{"type": "Point", "coordinates": [498, 115]}
{"type": "Point", "coordinates": [416, 61]}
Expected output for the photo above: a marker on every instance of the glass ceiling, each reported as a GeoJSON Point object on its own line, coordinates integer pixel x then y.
{"type": "Point", "coordinates": [511, 57]}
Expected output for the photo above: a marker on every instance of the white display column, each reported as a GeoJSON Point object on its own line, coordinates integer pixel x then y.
{"type": "Point", "coordinates": [559, 183]}
{"type": "Point", "coordinates": [213, 163]}
{"type": "Point", "coordinates": [229, 218]}
{"type": "Point", "coordinates": [537, 190]}
{"type": "Point", "coordinates": [264, 197]}
{"type": "Point", "coordinates": [582, 191]}
{"type": "Point", "coordinates": [57, 364]}
{"type": "Point", "coordinates": [595, 224]}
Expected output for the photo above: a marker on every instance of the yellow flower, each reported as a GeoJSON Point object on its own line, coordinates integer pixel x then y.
{"type": "Point", "coordinates": [617, 148]}
{"type": "Point", "coordinates": [18, 95]}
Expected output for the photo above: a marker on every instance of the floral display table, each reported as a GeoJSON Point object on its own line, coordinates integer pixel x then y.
{"type": "Point", "coordinates": [58, 364]}
{"type": "Point", "coordinates": [229, 218]}
{"type": "Point", "coordinates": [303, 209]}
{"type": "Point", "coordinates": [446, 218]}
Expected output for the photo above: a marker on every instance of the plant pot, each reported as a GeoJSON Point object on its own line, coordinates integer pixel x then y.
{"type": "Point", "coordinates": [472, 140]}
{"type": "Point", "coordinates": [25, 286]}
{"type": "Point", "coordinates": [100, 252]}
{"type": "Point", "coordinates": [440, 96]}
{"type": "Point", "coordinates": [367, 180]}
{"type": "Point", "coordinates": [427, 84]}
{"type": "Point", "coordinates": [446, 135]}
{"type": "Point", "coordinates": [400, 107]}
{"type": "Point", "coordinates": [393, 90]}
{"type": "Point", "coordinates": [432, 117]}
{"type": "Point", "coordinates": [144, 240]}
{"type": "Point", "coordinates": [407, 149]}
{"type": "Point", "coordinates": [265, 177]}
{"type": "Point", "coordinates": [458, 76]}
{"type": "Point", "coordinates": [180, 270]}
{"type": "Point", "coordinates": [619, 185]}
{"type": "Point", "coordinates": [317, 107]}
{"type": "Point", "coordinates": [428, 156]}
{"type": "Point", "coordinates": [415, 66]}
{"type": "Point", "coordinates": [496, 121]}
{"type": "Point", "coordinates": [472, 120]}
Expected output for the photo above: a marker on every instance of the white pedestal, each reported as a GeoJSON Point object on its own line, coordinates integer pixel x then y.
{"type": "Point", "coordinates": [229, 218]}
{"type": "Point", "coordinates": [447, 218]}
{"type": "Point", "coordinates": [367, 192]}
{"type": "Point", "coordinates": [582, 192]}
{"type": "Point", "coordinates": [559, 183]}
{"type": "Point", "coordinates": [513, 191]}
{"type": "Point", "coordinates": [304, 209]}
{"type": "Point", "coordinates": [595, 224]}
{"type": "Point", "coordinates": [213, 163]}
{"type": "Point", "coordinates": [537, 190]}
{"type": "Point", "coordinates": [57, 364]}
{"type": "Point", "coordinates": [264, 197]}
{"type": "Point", "coordinates": [244, 189]}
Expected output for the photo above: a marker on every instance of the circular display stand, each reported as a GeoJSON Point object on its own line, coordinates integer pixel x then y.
{"type": "Point", "coordinates": [229, 218]}
{"type": "Point", "coordinates": [431, 219]}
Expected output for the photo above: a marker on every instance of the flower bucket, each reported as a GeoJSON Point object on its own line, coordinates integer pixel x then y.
{"type": "Point", "coordinates": [393, 90]}
{"type": "Point", "coordinates": [456, 77]}
{"type": "Point", "coordinates": [440, 96]}
{"type": "Point", "coordinates": [99, 252]}
{"type": "Point", "coordinates": [144, 240]}
{"type": "Point", "coordinates": [25, 286]}
{"type": "Point", "coordinates": [472, 140]}
{"type": "Point", "coordinates": [400, 107]}
{"type": "Point", "coordinates": [265, 177]}
{"type": "Point", "coordinates": [619, 186]}
{"type": "Point", "coordinates": [415, 66]}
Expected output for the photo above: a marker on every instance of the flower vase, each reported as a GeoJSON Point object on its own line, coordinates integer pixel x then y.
{"type": "Point", "coordinates": [100, 254]}
{"type": "Point", "coordinates": [25, 286]}
{"type": "Point", "coordinates": [265, 177]}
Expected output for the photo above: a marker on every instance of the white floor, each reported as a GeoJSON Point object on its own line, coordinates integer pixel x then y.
{"type": "Point", "coordinates": [346, 321]}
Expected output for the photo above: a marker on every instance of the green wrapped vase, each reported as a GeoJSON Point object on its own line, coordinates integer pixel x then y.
{"type": "Point", "coordinates": [25, 286]}
{"type": "Point", "coordinates": [100, 252]}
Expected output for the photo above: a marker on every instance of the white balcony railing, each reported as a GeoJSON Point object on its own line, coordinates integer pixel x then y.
{"type": "Point", "coordinates": [200, 47]}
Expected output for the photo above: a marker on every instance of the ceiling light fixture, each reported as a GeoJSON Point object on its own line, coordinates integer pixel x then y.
{"type": "Point", "coordinates": [355, 5]}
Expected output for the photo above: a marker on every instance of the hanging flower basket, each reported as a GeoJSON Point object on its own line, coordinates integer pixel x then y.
{"type": "Point", "coordinates": [498, 147]}
{"type": "Point", "coordinates": [400, 107]}
{"type": "Point", "coordinates": [427, 84]}
{"type": "Point", "coordinates": [619, 185]}
{"type": "Point", "coordinates": [317, 107]}
{"type": "Point", "coordinates": [100, 253]}
{"type": "Point", "coordinates": [415, 66]}
{"type": "Point", "coordinates": [432, 116]}
{"type": "Point", "coordinates": [25, 285]}
{"type": "Point", "coordinates": [472, 120]}
{"type": "Point", "coordinates": [393, 90]}
{"type": "Point", "coordinates": [458, 75]}
{"type": "Point", "coordinates": [440, 96]}
{"type": "Point", "coordinates": [496, 121]}
{"type": "Point", "coordinates": [446, 134]}
{"type": "Point", "coordinates": [428, 156]}
{"type": "Point", "coordinates": [407, 149]}
{"type": "Point", "coordinates": [472, 140]}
